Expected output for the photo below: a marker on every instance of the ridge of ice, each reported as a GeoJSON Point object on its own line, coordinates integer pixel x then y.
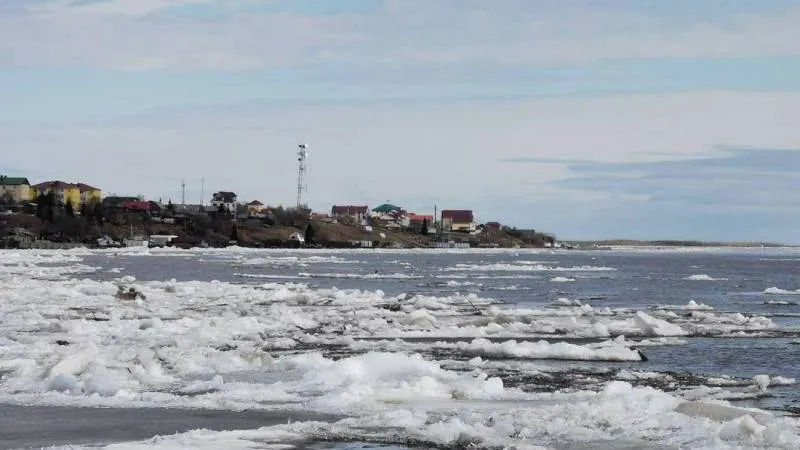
{"type": "Point", "coordinates": [562, 279]}
{"type": "Point", "coordinates": [779, 291]}
{"type": "Point", "coordinates": [703, 277]}
{"type": "Point", "coordinates": [651, 326]}
{"type": "Point", "coordinates": [605, 351]}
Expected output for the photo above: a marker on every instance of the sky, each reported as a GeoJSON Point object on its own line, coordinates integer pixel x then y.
{"type": "Point", "coordinates": [602, 119]}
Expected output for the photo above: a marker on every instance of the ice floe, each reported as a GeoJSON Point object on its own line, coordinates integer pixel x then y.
{"type": "Point", "coordinates": [362, 276]}
{"type": "Point", "coordinates": [703, 277]}
{"type": "Point", "coordinates": [691, 306]}
{"type": "Point", "coordinates": [618, 415]}
{"type": "Point", "coordinates": [419, 368]}
{"type": "Point", "coordinates": [562, 279]}
{"type": "Point", "coordinates": [522, 267]}
{"type": "Point", "coordinates": [779, 291]}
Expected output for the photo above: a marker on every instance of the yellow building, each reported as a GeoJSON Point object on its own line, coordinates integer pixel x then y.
{"type": "Point", "coordinates": [89, 194]}
{"type": "Point", "coordinates": [15, 189]}
{"type": "Point", "coordinates": [76, 194]}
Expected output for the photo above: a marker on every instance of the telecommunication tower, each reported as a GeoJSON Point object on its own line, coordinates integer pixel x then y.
{"type": "Point", "coordinates": [302, 154]}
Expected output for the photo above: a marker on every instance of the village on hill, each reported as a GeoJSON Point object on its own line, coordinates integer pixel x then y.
{"type": "Point", "coordinates": [57, 214]}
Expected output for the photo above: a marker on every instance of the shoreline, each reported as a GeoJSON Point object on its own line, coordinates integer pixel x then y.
{"type": "Point", "coordinates": [22, 425]}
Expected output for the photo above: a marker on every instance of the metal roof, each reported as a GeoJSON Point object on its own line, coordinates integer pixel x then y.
{"type": "Point", "coordinates": [13, 181]}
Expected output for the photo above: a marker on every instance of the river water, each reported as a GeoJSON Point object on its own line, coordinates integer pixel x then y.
{"type": "Point", "coordinates": [421, 347]}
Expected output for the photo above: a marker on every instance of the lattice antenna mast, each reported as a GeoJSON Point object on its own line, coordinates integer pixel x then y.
{"type": "Point", "coordinates": [302, 154]}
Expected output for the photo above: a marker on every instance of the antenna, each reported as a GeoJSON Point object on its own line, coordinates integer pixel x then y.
{"type": "Point", "coordinates": [302, 154]}
{"type": "Point", "coordinates": [202, 191]}
{"type": "Point", "coordinates": [183, 192]}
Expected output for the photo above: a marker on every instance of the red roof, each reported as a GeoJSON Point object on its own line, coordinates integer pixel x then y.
{"type": "Point", "coordinates": [458, 215]}
{"type": "Point", "coordinates": [349, 210]}
{"type": "Point", "coordinates": [419, 218]}
{"type": "Point", "coordinates": [86, 188]}
{"type": "Point", "coordinates": [494, 225]}
{"type": "Point", "coordinates": [52, 185]}
{"type": "Point", "coordinates": [139, 205]}
{"type": "Point", "coordinates": [60, 185]}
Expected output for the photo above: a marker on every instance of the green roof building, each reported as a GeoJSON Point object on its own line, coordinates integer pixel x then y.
{"type": "Point", "coordinates": [14, 189]}
{"type": "Point", "coordinates": [386, 208]}
{"type": "Point", "coordinates": [13, 181]}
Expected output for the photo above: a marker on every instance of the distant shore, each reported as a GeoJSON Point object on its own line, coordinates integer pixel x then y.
{"type": "Point", "coordinates": [674, 243]}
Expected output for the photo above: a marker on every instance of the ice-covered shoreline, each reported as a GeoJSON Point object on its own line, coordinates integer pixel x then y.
{"type": "Point", "coordinates": [67, 340]}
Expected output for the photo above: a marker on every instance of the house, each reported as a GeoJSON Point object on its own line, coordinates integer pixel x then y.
{"type": "Point", "coordinates": [355, 213]}
{"type": "Point", "coordinates": [143, 206]}
{"type": "Point", "coordinates": [255, 207]}
{"type": "Point", "coordinates": [387, 209]}
{"type": "Point", "coordinates": [64, 192]}
{"type": "Point", "coordinates": [458, 220]}
{"type": "Point", "coordinates": [225, 199]}
{"type": "Point", "coordinates": [136, 205]}
{"type": "Point", "coordinates": [77, 194]}
{"type": "Point", "coordinates": [493, 226]}
{"type": "Point", "coordinates": [117, 201]}
{"type": "Point", "coordinates": [420, 218]}
{"type": "Point", "coordinates": [14, 189]}
{"type": "Point", "coordinates": [418, 221]}
{"type": "Point", "coordinates": [391, 214]}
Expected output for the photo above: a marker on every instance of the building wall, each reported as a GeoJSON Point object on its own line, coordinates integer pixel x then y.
{"type": "Point", "coordinates": [91, 196]}
{"type": "Point", "coordinates": [20, 193]}
{"type": "Point", "coordinates": [230, 207]}
{"type": "Point", "coordinates": [73, 195]}
{"type": "Point", "coordinates": [462, 227]}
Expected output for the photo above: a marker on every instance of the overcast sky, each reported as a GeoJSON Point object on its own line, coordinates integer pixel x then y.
{"type": "Point", "coordinates": [598, 119]}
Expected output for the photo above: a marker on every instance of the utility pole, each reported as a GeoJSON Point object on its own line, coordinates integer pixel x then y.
{"type": "Point", "coordinates": [183, 193]}
{"type": "Point", "coordinates": [302, 154]}
{"type": "Point", "coordinates": [202, 191]}
{"type": "Point", "coordinates": [437, 223]}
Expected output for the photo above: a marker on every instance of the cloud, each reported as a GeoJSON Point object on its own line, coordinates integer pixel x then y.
{"type": "Point", "coordinates": [394, 36]}
{"type": "Point", "coordinates": [737, 194]}
{"type": "Point", "coordinates": [434, 152]}
{"type": "Point", "coordinates": [741, 179]}
{"type": "Point", "coordinates": [132, 8]}
{"type": "Point", "coordinates": [113, 35]}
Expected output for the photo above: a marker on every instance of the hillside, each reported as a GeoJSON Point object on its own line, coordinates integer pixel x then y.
{"type": "Point", "coordinates": [200, 230]}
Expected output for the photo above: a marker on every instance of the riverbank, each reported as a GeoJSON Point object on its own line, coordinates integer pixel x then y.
{"type": "Point", "coordinates": [28, 231]}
